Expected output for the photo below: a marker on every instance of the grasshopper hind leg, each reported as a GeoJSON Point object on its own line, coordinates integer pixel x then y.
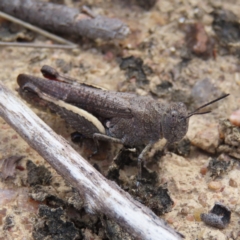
{"type": "Point", "coordinates": [102, 137]}
{"type": "Point", "coordinates": [80, 120]}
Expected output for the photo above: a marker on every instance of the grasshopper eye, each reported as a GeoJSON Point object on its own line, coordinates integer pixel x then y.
{"type": "Point", "coordinates": [174, 113]}
{"type": "Point", "coordinates": [175, 118]}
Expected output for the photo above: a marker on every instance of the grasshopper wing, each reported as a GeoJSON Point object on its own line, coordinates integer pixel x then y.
{"type": "Point", "coordinates": [100, 103]}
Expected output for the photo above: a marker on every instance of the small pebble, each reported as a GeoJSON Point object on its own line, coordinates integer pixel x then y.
{"type": "Point", "coordinates": [170, 220]}
{"type": "Point", "coordinates": [203, 170]}
{"type": "Point", "coordinates": [233, 183]}
{"type": "Point", "coordinates": [197, 214]}
{"type": "Point", "coordinates": [207, 138]}
{"type": "Point", "coordinates": [190, 217]}
{"type": "Point", "coordinates": [235, 118]}
{"type": "Point", "coordinates": [215, 186]}
{"type": "Point", "coordinates": [184, 211]}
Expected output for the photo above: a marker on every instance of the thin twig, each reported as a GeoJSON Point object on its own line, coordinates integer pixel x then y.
{"type": "Point", "coordinates": [36, 29]}
{"type": "Point", "coordinates": [100, 195]}
{"type": "Point", "coordinates": [36, 45]}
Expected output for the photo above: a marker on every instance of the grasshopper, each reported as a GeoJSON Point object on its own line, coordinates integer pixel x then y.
{"type": "Point", "coordinates": [110, 116]}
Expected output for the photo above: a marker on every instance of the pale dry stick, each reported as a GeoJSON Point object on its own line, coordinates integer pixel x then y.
{"type": "Point", "coordinates": [100, 195]}
{"type": "Point", "coordinates": [37, 30]}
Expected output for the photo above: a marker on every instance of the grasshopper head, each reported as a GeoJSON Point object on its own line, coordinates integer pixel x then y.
{"type": "Point", "coordinates": [175, 122]}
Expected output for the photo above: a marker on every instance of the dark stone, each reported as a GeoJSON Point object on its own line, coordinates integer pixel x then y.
{"type": "Point", "coordinates": [50, 223]}
{"type": "Point", "coordinates": [38, 175]}
{"type": "Point", "coordinates": [218, 217]}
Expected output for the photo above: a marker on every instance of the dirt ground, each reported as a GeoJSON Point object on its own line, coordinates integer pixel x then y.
{"type": "Point", "coordinates": [174, 70]}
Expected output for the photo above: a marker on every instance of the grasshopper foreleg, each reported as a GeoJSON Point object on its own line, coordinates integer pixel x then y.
{"type": "Point", "coordinates": [141, 159]}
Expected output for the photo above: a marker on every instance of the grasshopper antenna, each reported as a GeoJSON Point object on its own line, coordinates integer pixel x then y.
{"type": "Point", "coordinates": [195, 112]}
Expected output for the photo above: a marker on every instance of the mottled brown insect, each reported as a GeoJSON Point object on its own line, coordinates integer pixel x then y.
{"type": "Point", "coordinates": [111, 116]}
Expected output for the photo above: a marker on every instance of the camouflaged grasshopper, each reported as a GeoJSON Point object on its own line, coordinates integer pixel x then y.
{"type": "Point", "coordinates": [110, 116]}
